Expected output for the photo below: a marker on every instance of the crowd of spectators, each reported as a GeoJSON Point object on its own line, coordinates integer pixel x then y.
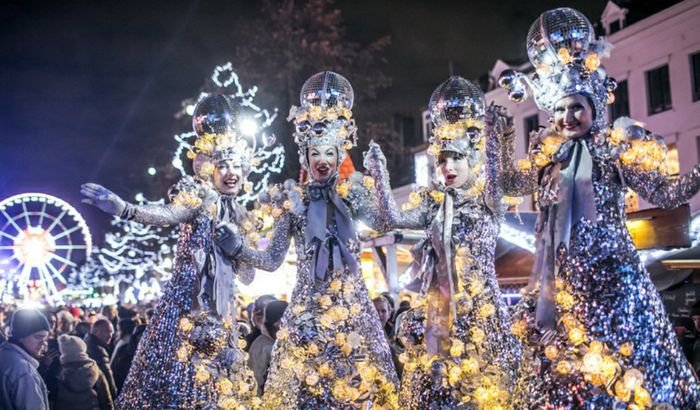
{"type": "Point", "coordinates": [76, 358]}
{"type": "Point", "coordinates": [67, 357]}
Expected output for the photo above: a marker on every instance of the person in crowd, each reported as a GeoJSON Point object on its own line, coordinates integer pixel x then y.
{"type": "Point", "coordinates": [3, 334]}
{"type": "Point", "coordinates": [21, 386]}
{"type": "Point", "coordinates": [122, 356]}
{"type": "Point", "coordinates": [261, 349]}
{"type": "Point", "coordinates": [257, 319]}
{"type": "Point", "coordinates": [97, 348]}
{"type": "Point", "coordinates": [685, 333]}
{"type": "Point", "coordinates": [110, 312]}
{"type": "Point", "coordinates": [82, 385]}
{"type": "Point", "coordinates": [383, 306]}
{"type": "Point", "coordinates": [695, 317]}
{"type": "Point", "coordinates": [122, 362]}
{"type": "Point", "coordinates": [389, 327]}
{"type": "Point", "coordinates": [82, 329]}
{"type": "Point", "coordinates": [64, 323]}
{"type": "Point", "coordinates": [125, 328]}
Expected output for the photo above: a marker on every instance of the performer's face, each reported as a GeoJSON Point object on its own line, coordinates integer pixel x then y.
{"type": "Point", "coordinates": [454, 169]}
{"type": "Point", "coordinates": [323, 162]}
{"type": "Point", "coordinates": [228, 176]}
{"type": "Point", "coordinates": [573, 116]}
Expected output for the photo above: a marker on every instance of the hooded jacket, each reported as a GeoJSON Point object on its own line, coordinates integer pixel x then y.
{"type": "Point", "coordinates": [82, 386]}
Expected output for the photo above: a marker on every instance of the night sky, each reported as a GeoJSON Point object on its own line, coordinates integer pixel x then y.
{"type": "Point", "coordinates": [89, 89]}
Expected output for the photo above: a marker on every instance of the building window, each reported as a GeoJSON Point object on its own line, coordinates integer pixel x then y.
{"type": "Point", "coordinates": [695, 75]}
{"type": "Point", "coordinates": [658, 90]}
{"type": "Point", "coordinates": [621, 106]}
{"type": "Point", "coordinates": [615, 26]}
{"type": "Point", "coordinates": [530, 124]}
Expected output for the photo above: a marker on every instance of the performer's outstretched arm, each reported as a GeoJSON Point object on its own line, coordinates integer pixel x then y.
{"type": "Point", "coordinates": [388, 212]}
{"type": "Point", "coordinates": [269, 259]}
{"type": "Point", "coordinates": [659, 189]}
{"type": "Point", "coordinates": [111, 203]}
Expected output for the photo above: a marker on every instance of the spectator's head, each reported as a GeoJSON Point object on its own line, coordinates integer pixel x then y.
{"type": "Point", "coordinates": [72, 349]}
{"type": "Point", "coordinates": [30, 329]}
{"type": "Point", "coordinates": [149, 315]}
{"type": "Point", "coordinates": [273, 314]}
{"type": "Point", "coordinates": [259, 310]}
{"type": "Point", "coordinates": [695, 316]}
{"type": "Point", "coordinates": [81, 329]}
{"type": "Point", "coordinates": [64, 322]}
{"type": "Point", "coordinates": [383, 309]}
{"type": "Point", "coordinates": [125, 327]}
{"type": "Point", "coordinates": [103, 330]}
{"type": "Point", "coordinates": [392, 301]}
{"type": "Point", "coordinates": [110, 312]}
{"type": "Point", "coordinates": [682, 326]}
{"type": "Point", "coordinates": [91, 318]}
{"type": "Point", "coordinates": [2, 316]}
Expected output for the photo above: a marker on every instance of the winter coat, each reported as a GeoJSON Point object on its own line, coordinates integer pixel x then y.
{"type": "Point", "coordinates": [98, 352]}
{"type": "Point", "coordinates": [21, 386]}
{"type": "Point", "coordinates": [82, 386]}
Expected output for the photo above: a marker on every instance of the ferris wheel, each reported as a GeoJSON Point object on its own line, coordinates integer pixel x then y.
{"type": "Point", "coordinates": [41, 237]}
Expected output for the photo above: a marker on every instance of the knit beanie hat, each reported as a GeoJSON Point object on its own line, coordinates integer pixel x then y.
{"type": "Point", "coordinates": [26, 322]}
{"type": "Point", "coordinates": [274, 311]}
{"type": "Point", "coordinates": [72, 348]}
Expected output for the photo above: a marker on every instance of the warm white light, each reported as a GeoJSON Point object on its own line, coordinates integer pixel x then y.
{"type": "Point", "coordinates": [33, 246]}
{"type": "Point", "coordinates": [189, 109]}
{"type": "Point", "coordinates": [248, 126]}
{"type": "Point", "coordinates": [151, 171]}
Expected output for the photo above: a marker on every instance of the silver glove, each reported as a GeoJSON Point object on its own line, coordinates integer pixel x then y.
{"type": "Point", "coordinates": [103, 198]}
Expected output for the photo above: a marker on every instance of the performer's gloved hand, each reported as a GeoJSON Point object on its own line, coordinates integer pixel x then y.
{"type": "Point", "coordinates": [103, 198]}
{"type": "Point", "coordinates": [374, 157]}
{"type": "Point", "coordinates": [498, 120]}
{"type": "Point", "coordinates": [228, 239]}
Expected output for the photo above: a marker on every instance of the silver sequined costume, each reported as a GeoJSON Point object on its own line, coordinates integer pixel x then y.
{"type": "Point", "coordinates": [595, 326]}
{"type": "Point", "coordinates": [189, 358]}
{"type": "Point", "coordinates": [460, 352]}
{"type": "Point", "coordinates": [331, 351]}
{"type": "Point", "coordinates": [614, 298]}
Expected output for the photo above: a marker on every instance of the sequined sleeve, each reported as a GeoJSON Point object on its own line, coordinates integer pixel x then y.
{"type": "Point", "coordinates": [514, 181]}
{"type": "Point", "coordinates": [659, 189]}
{"type": "Point", "coordinates": [161, 215]}
{"type": "Point", "coordinates": [273, 255]}
{"type": "Point", "coordinates": [391, 216]}
{"type": "Point", "coordinates": [494, 172]}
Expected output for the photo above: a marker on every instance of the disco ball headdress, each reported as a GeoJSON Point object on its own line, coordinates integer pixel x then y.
{"type": "Point", "coordinates": [325, 115]}
{"type": "Point", "coordinates": [562, 48]}
{"type": "Point", "coordinates": [215, 121]}
{"type": "Point", "coordinates": [457, 108]}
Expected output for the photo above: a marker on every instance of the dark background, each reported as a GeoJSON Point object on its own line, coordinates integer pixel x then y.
{"type": "Point", "coordinates": [89, 89]}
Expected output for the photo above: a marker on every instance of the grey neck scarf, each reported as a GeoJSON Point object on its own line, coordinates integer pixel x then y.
{"type": "Point", "coordinates": [570, 177]}
{"type": "Point", "coordinates": [329, 227]}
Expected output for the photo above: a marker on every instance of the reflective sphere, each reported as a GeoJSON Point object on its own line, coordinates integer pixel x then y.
{"type": "Point", "coordinates": [505, 80]}
{"type": "Point", "coordinates": [327, 89]}
{"type": "Point", "coordinates": [214, 114]}
{"type": "Point", "coordinates": [556, 29]}
{"type": "Point", "coordinates": [456, 99]}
